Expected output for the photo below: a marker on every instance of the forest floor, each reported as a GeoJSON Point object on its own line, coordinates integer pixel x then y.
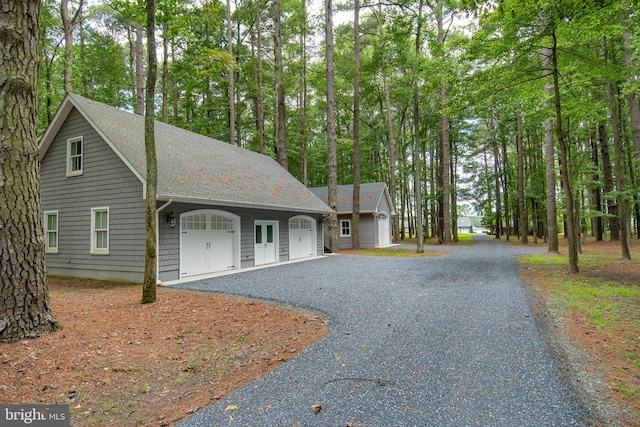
{"type": "Point", "coordinates": [119, 363]}
{"type": "Point", "coordinates": [593, 320]}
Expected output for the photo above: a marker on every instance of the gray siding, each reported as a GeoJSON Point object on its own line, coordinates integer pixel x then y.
{"type": "Point", "coordinates": [368, 232]}
{"type": "Point", "coordinates": [105, 182]}
{"type": "Point", "coordinates": [169, 258]}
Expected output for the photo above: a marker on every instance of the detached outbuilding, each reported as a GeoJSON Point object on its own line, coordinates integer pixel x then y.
{"type": "Point", "coordinates": [464, 225]}
{"type": "Point", "coordinates": [219, 207]}
{"type": "Point", "coordinates": [376, 212]}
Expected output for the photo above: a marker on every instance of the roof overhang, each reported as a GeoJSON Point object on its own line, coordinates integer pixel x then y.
{"type": "Point", "coordinates": [234, 204]}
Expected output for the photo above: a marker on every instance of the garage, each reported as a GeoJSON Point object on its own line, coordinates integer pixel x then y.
{"type": "Point", "coordinates": [209, 242]}
{"type": "Point", "coordinates": [302, 237]}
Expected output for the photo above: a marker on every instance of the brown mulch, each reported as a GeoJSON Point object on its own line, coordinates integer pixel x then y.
{"type": "Point", "coordinates": [598, 352]}
{"type": "Point", "coordinates": [117, 362]}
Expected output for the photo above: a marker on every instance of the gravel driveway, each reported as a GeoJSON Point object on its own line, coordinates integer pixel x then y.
{"type": "Point", "coordinates": [445, 341]}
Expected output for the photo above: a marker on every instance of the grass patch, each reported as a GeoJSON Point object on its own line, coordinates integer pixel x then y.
{"type": "Point", "coordinates": [601, 308]}
{"type": "Point", "coordinates": [392, 252]}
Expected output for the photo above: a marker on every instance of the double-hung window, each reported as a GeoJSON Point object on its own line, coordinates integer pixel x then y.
{"type": "Point", "coordinates": [100, 231]}
{"type": "Point", "coordinates": [345, 228]}
{"type": "Point", "coordinates": [51, 231]}
{"type": "Point", "coordinates": [74, 156]}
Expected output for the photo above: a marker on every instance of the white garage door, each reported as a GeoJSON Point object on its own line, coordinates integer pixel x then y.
{"type": "Point", "coordinates": [302, 237]}
{"type": "Point", "coordinates": [209, 242]}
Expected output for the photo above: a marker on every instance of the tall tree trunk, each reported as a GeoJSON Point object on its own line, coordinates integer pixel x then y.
{"type": "Point", "coordinates": [417, 166]}
{"type": "Point", "coordinates": [260, 100]}
{"type": "Point", "coordinates": [355, 216]}
{"type": "Point", "coordinates": [496, 177]}
{"type": "Point", "coordinates": [392, 143]}
{"type": "Point", "coordinates": [165, 72]}
{"type": "Point", "coordinates": [607, 173]}
{"type": "Point", "coordinates": [632, 99]}
{"type": "Point", "coordinates": [522, 206]}
{"type": "Point", "coordinates": [596, 198]}
{"type": "Point", "coordinates": [445, 144]}
{"type": "Point", "coordinates": [564, 162]}
{"type": "Point", "coordinates": [281, 137]}
{"type": "Point", "coordinates": [302, 105]}
{"type": "Point", "coordinates": [139, 106]}
{"type": "Point", "coordinates": [331, 127]}
{"type": "Point", "coordinates": [232, 96]}
{"type": "Point", "coordinates": [175, 92]}
{"type": "Point", "coordinates": [623, 217]}
{"type": "Point", "coordinates": [24, 300]}
{"type": "Point", "coordinates": [504, 176]}
{"type": "Point", "coordinates": [549, 156]}
{"type": "Point", "coordinates": [150, 260]}
{"type": "Point", "coordinates": [67, 28]}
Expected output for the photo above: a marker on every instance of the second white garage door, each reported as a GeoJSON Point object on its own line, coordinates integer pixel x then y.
{"type": "Point", "coordinates": [302, 237]}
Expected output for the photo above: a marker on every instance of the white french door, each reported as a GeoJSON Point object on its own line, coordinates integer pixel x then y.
{"type": "Point", "coordinates": [266, 242]}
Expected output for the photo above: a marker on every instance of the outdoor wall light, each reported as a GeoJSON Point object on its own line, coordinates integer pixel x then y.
{"type": "Point", "coordinates": [172, 220]}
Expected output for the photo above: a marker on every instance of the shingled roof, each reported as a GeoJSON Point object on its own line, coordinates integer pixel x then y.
{"type": "Point", "coordinates": [370, 195]}
{"type": "Point", "coordinates": [191, 167]}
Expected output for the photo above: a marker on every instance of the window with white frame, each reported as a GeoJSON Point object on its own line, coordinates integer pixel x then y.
{"type": "Point", "coordinates": [345, 228]}
{"type": "Point", "coordinates": [100, 231]}
{"type": "Point", "coordinates": [51, 231]}
{"type": "Point", "coordinates": [74, 156]}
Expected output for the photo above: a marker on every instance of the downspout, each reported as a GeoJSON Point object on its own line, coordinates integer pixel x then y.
{"type": "Point", "coordinates": [158, 239]}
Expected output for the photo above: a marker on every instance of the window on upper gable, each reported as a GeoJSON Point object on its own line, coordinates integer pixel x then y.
{"type": "Point", "coordinates": [345, 228]}
{"type": "Point", "coordinates": [51, 231]}
{"type": "Point", "coordinates": [74, 156]}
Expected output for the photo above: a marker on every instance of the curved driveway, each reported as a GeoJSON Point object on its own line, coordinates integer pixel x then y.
{"type": "Point", "coordinates": [445, 341]}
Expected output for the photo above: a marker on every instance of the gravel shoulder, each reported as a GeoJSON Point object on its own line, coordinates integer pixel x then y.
{"type": "Point", "coordinates": [450, 340]}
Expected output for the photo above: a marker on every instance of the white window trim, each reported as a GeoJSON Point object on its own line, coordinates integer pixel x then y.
{"type": "Point", "coordinates": [69, 142]}
{"type": "Point", "coordinates": [49, 249]}
{"type": "Point", "coordinates": [94, 250]}
{"type": "Point", "coordinates": [342, 234]}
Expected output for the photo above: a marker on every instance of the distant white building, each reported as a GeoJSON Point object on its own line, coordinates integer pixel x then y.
{"type": "Point", "coordinates": [464, 225]}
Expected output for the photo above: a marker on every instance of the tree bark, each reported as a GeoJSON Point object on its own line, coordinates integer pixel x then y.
{"type": "Point", "coordinates": [355, 216]}
{"type": "Point", "coordinates": [619, 169]}
{"type": "Point", "coordinates": [549, 156]}
{"type": "Point", "coordinates": [331, 127]}
{"type": "Point", "coordinates": [150, 261]}
{"type": "Point", "coordinates": [24, 301]}
{"type": "Point", "coordinates": [522, 206]}
{"type": "Point", "coordinates": [281, 136]}
{"type": "Point", "coordinates": [165, 72]}
{"type": "Point", "coordinates": [445, 143]}
{"type": "Point", "coordinates": [140, 100]}
{"type": "Point", "coordinates": [632, 99]}
{"type": "Point", "coordinates": [392, 143]}
{"type": "Point", "coordinates": [596, 198]}
{"type": "Point", "coordinates": [607, 173]}
{"type": "Point", "coordinates": [67, 28]}
{"type": "Point", "coordinates": [417, 167]}
{"type": "Point", "coordinates": [302, 105]}
{"type": "Point", "coordinates": [232, 96]}
{"type": "Point", "coordinates": [564, 161]}
{"type": "Point", "coordinates": [260, 100]}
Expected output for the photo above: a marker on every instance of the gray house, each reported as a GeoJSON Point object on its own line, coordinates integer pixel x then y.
{"type": "Point", "coordinates": [219, 207]}
{"type": "Point", "coordinates": [376, 212]}
{"type": "Point", "coordinates": [464, 225]}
